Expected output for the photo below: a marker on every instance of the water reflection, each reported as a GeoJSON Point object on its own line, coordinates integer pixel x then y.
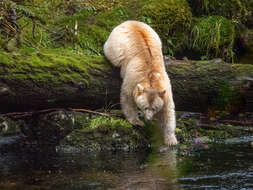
{"type": "Point", "coordinates": [105, 170]}
{"type": "Point", "coordinates": [220, 167]}
{"type": "Point", "coordinates": [159, 173]}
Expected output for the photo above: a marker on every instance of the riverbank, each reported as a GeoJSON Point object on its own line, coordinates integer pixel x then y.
{"type": "Point", "coordinates": [82, 132]}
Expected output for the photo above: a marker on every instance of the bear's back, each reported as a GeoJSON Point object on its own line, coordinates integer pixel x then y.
{"type": "Point", "coordinates": [132, 39]}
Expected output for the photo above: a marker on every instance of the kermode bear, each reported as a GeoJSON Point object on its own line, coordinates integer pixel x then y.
{"type": "Point", "coordinates": [137, 49]}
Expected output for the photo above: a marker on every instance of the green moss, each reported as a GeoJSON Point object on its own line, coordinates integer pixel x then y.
{"type": "Point", "coordinates": [243, 69]}
{"type": "Point", "coordinates": [214, 36]}
{"type": "Point", "coordinates": [108, 20]}
{"type": "Point", "coordinates": [228, 97]}
{"type": "Point", "coordinates": [93, 29]}
{"type": "Point", "coordinates": [190, 128]}
{"type": "Point", "coordinates": [170, 18]}
{"type": "Point", "coordinates": [97, 29]}
{"type": "Point", "coordinates": [107, 123]}
{"type": "Point", "coordinates": [92, 41]}
{"type": "Point", "coordinates": [105, 133]}
{"type": "Point", "coordinates": [57, 66]}
{"type": "Point", "coordinates": [239, 10]}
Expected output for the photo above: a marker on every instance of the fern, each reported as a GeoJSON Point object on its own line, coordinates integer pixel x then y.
{"type": "Point", "coordinates": [214, 37]}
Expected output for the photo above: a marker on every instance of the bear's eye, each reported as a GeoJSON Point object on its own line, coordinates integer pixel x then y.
{"type": "Point", "coordinates": [146, 108]}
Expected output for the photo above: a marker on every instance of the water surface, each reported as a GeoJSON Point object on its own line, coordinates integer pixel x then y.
{"type": "Point", "coordinates": [221, 166]}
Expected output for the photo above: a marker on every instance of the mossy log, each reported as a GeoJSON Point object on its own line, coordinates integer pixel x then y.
{"type": "Point", "coordinates": [59, 80]}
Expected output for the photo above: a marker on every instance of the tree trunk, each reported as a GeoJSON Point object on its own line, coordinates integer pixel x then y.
{"type": "Point", "coordinates": [197, 85]}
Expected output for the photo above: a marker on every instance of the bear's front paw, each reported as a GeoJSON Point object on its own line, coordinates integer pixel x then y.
{"type": "Point", "coordinates": [171, 140]}
{"type": "Point", "coordinates": [137, 122]}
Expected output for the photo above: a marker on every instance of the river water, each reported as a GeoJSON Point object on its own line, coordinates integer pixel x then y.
{"type": "Point", "coordinates": [219, 166]}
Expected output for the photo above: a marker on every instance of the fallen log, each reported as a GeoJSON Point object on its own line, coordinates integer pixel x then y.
{"type": "Point", "coordinates": [45, 80]}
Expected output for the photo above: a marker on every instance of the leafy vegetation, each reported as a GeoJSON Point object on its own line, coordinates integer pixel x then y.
{"type": "Point", "coordinates": [83, 25]}
{"type": "Point", "coordinates": [171, 19]}
{"type": "Point", "coordinates": [214, 36]}
{"type": "Point", "coordinates": [108, 122]}
{"type": "Point", "coordinates": [240, 11]}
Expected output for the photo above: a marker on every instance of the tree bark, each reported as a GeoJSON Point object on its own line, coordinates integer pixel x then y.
{"type": "Point", "coordinates": [197, 86]}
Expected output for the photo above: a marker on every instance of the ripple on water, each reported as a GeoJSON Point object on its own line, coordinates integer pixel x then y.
{"type": "Point", "coordinates": [223, 166]}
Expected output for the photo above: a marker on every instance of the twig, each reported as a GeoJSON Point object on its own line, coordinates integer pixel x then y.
{"type": "Point", "coordinates": [90, 111]}
{"type": "Point", "coordinates": [28, 43]}
{"type": "Point", "coordinates": [19, 115]}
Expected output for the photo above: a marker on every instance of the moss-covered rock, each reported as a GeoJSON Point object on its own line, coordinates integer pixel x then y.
{"type": "Point", "coordinates": [48, 129]}
{"type": "Point", "coordinates": [191, 126]}
{"type": "Point", "coordinates": [9, 126]}
{"type": "Point", "coordinates": [103, 133]}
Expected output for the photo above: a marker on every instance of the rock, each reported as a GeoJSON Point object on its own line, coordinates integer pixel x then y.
{"type": "Point", "coordinates": [201, 140]}
{"type": "Point", "coordinates": [103, 133]}
{"type": "Point", "coordinates": [4, 126]}
{"type": "Point", "coordinates": [10, 143]}
{"type": "Point", "coordinates": [50, 128]}
{"type": "Point", "coordinates": [71, 132]}
{"type": "Point", "coordinates": [8, 127]}
{"type": "Point", "coordinates": [4, 91]}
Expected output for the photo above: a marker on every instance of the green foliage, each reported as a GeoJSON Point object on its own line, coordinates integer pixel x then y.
{"type": "Point", "coordinates": [214, 36]}
{"type": "Point", "coordinates": [51, 24]}
{"type": "Point", "coordinates": [6, 26]}
{"type": "Point", "coordinates": [238, 10]}
{"type": "Point", "coordinates": [94, 34]}
{"type": "Point", "coordinates": [108, 122]}
{"type": "Point", "coordinates": [170, 18]}
{"type": "Point", "coordinates": [92, 31]}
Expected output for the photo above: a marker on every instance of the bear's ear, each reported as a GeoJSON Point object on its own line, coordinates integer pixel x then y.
{"type": "Point", "coordinates": [162, 92]}
{"type": "Point", "coordinates": [140, 88]}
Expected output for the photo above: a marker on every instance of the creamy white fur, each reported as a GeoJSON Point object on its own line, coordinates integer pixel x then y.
{"type": "Point", "coordinates": [137, 49]}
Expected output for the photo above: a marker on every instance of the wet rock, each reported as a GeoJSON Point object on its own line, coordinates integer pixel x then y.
{"type": "Point", "coordinates": [69, 131]}
{"type": "Point", "coordinates": [201, 140]}
{"type": "Point", "coordinates": [79, 141]}
{"type": "Point", "coordinates": [239, 140]}
{"type": "Point", "coordinates": [50, 128]}
{"type": "Point", "coordinates": [8, 127]}
{"type": "Point", "coordinates": [200, 143]}
{"type": "Point", "coordinates": [217, 61]}
{"type": "Point", "coordinates": [4, 126]}
{"type": "Point", "coordinates": [103, 133]}
{"type": "Point", "coordinates": [10, 143]}
{"type": "Point", "coordinates": [4, 91]}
